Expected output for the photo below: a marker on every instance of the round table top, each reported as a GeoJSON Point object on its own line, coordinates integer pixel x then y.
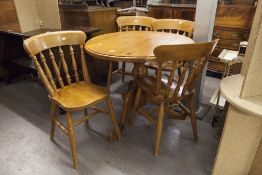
{"type": "Point", "coordinates": [132, 46]}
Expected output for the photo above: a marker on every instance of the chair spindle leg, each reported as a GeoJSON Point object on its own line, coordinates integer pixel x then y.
{"type": "Point", "coordinates": [113, 117]}
{"type": "Point", "coordinates": [71, 135]}
{"type": "Point", "coordinates": [135, 107]}
{"type": "Point", "coordinates": [123, 71]}
{"type": "Point", "coordinates": [193, 117]}
{"type": "Point", "coordinates": [52, 120]}
{"type": "Point", "coordinates": [159, 129]}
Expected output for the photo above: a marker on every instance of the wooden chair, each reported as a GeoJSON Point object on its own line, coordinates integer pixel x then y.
{"type": "Point", "coordinates": [74, 92]}
{"type": "Point", "coordinates": [170, 95]}
{"type": "Point", "coordinates": [177, 26]}
{"type": "Point", "coordinates": [132, 23]}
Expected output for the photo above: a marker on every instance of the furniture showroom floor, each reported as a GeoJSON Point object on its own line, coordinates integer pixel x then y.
{"type": "Point", "coordinates": [25, 147]}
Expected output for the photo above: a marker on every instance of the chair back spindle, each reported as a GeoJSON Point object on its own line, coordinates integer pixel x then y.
{"type": "Point", "coordinates": [74, 65]}
{"type": "Point", "coordinates": [56, 69]}
{"type": "Point", "coordinates": [47, 71]}
{"type": "Point", "coordinates": [178, 26]}
{"type": "Point", "coordinates": [140, 23]}
{"type": "Point", "coordinates": [65, 67]}
{"type": "Point", "coordinates": [181, 56]}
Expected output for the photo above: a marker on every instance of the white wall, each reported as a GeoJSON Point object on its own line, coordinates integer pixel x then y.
{"type": "Point", "coordinates": [31, 12]}
{"type": "Point", "coordinates": [27, 14]}
{"type": "Point", "coordinates": [48, 12]}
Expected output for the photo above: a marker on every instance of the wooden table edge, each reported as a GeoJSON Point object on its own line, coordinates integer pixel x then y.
{"type": "Point", "coordinates": [119, 58]}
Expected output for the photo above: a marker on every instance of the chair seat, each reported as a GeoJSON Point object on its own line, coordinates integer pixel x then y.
{"type": "Point", "coordinates": [147, 84]}
{"type": "Point", "coordinates": [167, 66]}
{"type": "Point", "coordinates": [79, 95]}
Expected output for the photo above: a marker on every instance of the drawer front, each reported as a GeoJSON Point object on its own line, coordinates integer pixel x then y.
{"type": "Point", "coordinates": [160, 12]}
{"type": "Point", "coordinates": [228, 44]}
{"type": "Point", "coordinates": [231, 34]}
{"type": "Point", "coordinates": [217, 52]}
{"type": "Point", "coordinates": [215, 65]}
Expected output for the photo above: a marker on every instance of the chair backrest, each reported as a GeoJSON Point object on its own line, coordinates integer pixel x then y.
{"type": "Point", "coordinates": [180, 26]}
{"type": "Point", "coordinates": [131, 23]}
{"type": "Point", "coordinates": [41, 46]}
{"type": "Point", "coordinates": [185, 56]}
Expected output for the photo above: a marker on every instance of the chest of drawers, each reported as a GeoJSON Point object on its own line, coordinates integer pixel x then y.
{"type": "Point", "coordinates": [232, 25]}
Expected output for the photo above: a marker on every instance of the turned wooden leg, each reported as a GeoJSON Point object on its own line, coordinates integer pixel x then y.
{"type": "Point", "coordinates": [71, 135]}
{"type": "Point", "coordinates": [52, 120]}
{"type": "Point", "coordinates": [135, 107]}
{"type": "Point", "coordinates": [127, 103]}
{"type": "Point", "coordinates": [192, 109]}
{"type": "Point", "coordinates": [85, 114]}
{"type": "Point", "coordinates": [159, 129]}
{"type": "Point", "coordinates": [123, 71]}
{"type": "Point", "coordinates": [113, 117]}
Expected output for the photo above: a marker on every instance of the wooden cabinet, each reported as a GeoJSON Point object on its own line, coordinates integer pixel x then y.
{"type": "Point", "coordinates": [232, 25]}
{"type": "Point", "coordinates": [172, 11]}
{"type": "Point", "coordinates": [103, 18]}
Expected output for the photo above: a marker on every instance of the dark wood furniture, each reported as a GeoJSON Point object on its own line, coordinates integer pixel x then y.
{"type": "Point", "coordinates": [232, 25]}
{"type": "Point", "coordinates": [15, 60]}
{"type": "Point", "coordinates": [172, 11]}
{"type": "Point", "coordinates": [8, 21]}
{"type": "Point", "coordinates": [104, 18]}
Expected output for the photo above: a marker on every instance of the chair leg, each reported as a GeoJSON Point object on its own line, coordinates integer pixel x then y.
{"type": "Point", "coordinates": [85, 114]}
{"type": "Point", "coordinates": [113, 117]}
{"type": "Point", "coordinates": [71, 135]}
{"type": "Point", "coordinates": [193, 117]}
{"type": "Point", "coordinates": [123, 71]}
{"type": "Point", "coordinates": [135, 107]}
{"type": "Point", "coordinates": [52, 120]}
{"type": "Point", "coordinates": [159, 129]}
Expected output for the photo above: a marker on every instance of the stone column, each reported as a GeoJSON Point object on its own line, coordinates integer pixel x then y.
{"type": "Point", "coordinates": [204, 24]}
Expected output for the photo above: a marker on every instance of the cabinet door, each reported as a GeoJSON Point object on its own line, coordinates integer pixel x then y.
{"type": "Point", "coordinates": [104, 18]}
{"type": "Point", "coordinates": [160, 12]}
{"type": "Point", "coordinates": [229, 33]}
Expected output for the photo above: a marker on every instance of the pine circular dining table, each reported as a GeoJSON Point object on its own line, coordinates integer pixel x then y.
{"type": "Point", "coordinates": [134, 47]}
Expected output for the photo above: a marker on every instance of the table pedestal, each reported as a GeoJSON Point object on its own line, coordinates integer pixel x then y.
{"type": "Point", "coordinates": [139, 71]}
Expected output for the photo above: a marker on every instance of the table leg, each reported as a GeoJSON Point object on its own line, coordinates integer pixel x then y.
{"type": "Point", "coordinates": [139, 71]}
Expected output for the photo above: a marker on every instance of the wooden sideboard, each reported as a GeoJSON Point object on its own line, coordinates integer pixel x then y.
{"type": "Point", "coordinates": [8, 21]}
{"type": "Point", "coordinates": [232, 25]}
{"type": "Point", "coordinates": [172, 11]}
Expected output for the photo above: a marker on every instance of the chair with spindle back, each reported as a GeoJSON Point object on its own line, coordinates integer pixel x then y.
{"type": "Point", "coordinates": [171, 95]}
{"type": "Point", "coordinates": [133, 23]}
{"type": "Point", "coordinates": [177, 26]}
{"type": "Point", "coordinates": [70, 92]}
